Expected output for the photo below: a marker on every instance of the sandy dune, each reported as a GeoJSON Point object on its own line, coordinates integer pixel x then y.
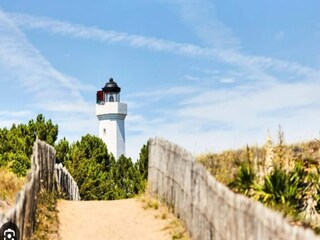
{"type": "Point", "coordinates": [112, 220]}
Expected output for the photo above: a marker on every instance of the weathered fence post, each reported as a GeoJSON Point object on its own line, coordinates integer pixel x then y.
{"type": "Point", "coordinates": [41, 176]}
{"type": "Point", "coordinates": [209, 209]}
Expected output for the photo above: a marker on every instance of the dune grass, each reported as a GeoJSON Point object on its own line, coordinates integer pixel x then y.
{"type": "Point", "coordinates": [284, 177]}
{"type": "Point", "coordinates": [174, 226]}
{"type": "Point", "coordinates": [47, 223]}
{"type": "Point", "coordinates": [10, 185]}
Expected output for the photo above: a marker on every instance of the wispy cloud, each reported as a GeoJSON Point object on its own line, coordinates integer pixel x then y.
{"type": "Point", "coordinates": [164, 92]}
{"type": "Point", "coordinates": [205, 114]}
{"type": "Point", "coordinates": [49, 90]}
{"type": "Point", "coordinates": [25, 64]}
{"type": "Point", "coordinates": [192, 78]}
{"type": "Point", "coordinates": [241, 113]}
{"type": "Point", "coordinates": [237, 106]}
{"type": "Point", "coordinates": [227, 80]}
{"type": "Point", "coordinates": [5, 114]}
{"type": "Point", "coordinates": [200, 16]}
{"type": "Point", "coordinates": [220, 119]}
{"type": "Point", "coordinates": [229, 55]}
{"type": "Point", "coordinates": [9, 117]}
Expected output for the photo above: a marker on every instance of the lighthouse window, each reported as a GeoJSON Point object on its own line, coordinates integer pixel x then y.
{"type": "Point", "coordinates": [111, 99]}
{"type": "Point", "coordinates": [104, 131]}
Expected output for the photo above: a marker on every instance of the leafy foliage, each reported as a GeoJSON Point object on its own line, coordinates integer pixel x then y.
{"type": "Point", "coordinates": [274, 188]}
{"type": "Point", "coordinates": [289, 186]}
{"type": "Point", "coordinates": [47, 224]}
{"type": "Point", "coordinates": [62, 150]}
{"type": "Point", "coordinates": [98, 175]}
{"type": "Point", "coordinates": [142, 163]}
{"type": "Point", "coordinates": [224, 166]}
{"type": "Point", "coordinates": [244, 180]}
{"type": "Point", "coordinates": [16, 143]}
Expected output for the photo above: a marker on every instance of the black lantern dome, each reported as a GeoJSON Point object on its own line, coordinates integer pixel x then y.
{"type": "Point", "coordinates": [111, 86]}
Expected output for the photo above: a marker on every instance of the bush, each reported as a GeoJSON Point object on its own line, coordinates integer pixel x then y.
{"type": "Point", "coordinates": [244, 180]}
{"type": "Point", "coordinates": [20, 164]}
{"type": "Point", "coordinates": [16, 143]}
{"type": "Point", "coordinates": [98, 175]}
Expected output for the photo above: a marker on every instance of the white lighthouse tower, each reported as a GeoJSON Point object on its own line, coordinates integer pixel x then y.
{"type": "Point", "coordinates": [111, 114]}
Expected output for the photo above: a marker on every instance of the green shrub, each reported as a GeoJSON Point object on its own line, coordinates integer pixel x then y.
{"type": "Point", "coordinates": [20, 164]}
{"type": "Point", "coordinates": [16, 143]}
{"type": "Point", "coordinates": [98, 175]}
{"type": "Point", "coordinates": [244, 180]}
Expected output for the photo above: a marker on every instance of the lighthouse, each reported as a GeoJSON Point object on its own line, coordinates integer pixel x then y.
{"type": "Point", "coordinates": [111, 114]}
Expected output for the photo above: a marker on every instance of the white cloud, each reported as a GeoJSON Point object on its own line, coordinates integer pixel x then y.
{"type": "Point", "coordinates": [227, 80]}
{"type": "Point", "coordinates": [292, 105]}
{"type": "Point", "coordinates": [25, 64]}
{"type": "Point", "coordinates": [48, 89]}
{"type": "Point", "coordinates": [225, 117]}
{"type": "Point", "coordinates": [207, 71]}
{"type": "Point", "coordinates": [192, 78]}
{"type": "Point", "coordinates": [7, 118]}
{"type": "Point", "coordinates": [218, 119]}
{"type": "Point", "coordinates": [164, 92]}
{"type": "Point", "coordinates": [229, 55]}
{"type": "Point", "coordinates": [200, 16]}
{"type": "Point", "coordinates": [134, 118]}
{"type": "Point", "coordinates": [5, 114]}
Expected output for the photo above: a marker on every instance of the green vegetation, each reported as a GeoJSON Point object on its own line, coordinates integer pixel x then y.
{"type": "Point", "coordinates": [244, 180]}
{"type": "Point", "coordinates": [98, 174]}
{"type": "Point", "coordinates": [16, 143]}
{"type": "Point", "coordinates": [47, 224]}
{"type": "Point", "coordinates": [10, 184]}
{"type": "Point", "coordinates": [283, 177]}
{"type": "Point", "coordinates": [174, 226]}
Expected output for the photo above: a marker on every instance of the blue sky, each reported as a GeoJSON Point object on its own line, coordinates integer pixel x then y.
{"type": "Point", "coordinates": [208, 75]}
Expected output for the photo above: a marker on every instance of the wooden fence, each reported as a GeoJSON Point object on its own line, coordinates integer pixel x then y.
{"type": "Point", "coordinates": [66, 183]}
{"type": "Point", "coordinates": [208, 208]}
{"type": "Point", "coordinates": [41, 176]}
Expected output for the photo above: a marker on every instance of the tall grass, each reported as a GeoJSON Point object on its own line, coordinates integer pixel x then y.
{"type": "Point", "coordinates": [47, 222]}
{"type": "Point", "coordinates": [283, 177]}
{"type": "Point", "coordinates": [10, 185]}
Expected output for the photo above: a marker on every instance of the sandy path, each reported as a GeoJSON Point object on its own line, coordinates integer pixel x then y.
{"type": "Point", "coordinates": [112, 220]}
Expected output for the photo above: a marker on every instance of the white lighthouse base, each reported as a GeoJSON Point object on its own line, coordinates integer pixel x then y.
{"type": "Point", "coordinates": [111, 126]}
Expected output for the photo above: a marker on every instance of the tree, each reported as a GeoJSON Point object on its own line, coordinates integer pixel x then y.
{"type": "Point", "coordinates": [126, 177]}
{"type": "Point", "coordinates": [98, 174]}
{"type": "Point", "coordinates": [16, 143]}
{"type": "Point", "coordinates": [62, 150]}
{"type": "Point", "coordinates": [45, 131]}
{"type": "Point", "coordinates": [142, 162]}
{"type": "Point", "coordinates": [88, 162]}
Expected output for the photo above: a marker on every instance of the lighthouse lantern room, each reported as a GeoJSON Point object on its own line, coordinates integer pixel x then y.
{"type": "Point", "coordinates": [111, 114]}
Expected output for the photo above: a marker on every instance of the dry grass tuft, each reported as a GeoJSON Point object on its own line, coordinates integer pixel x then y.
{"type": "Point", "coordinates": [47, 223]}
{"type": "Point", "coordinates": [10, 185]}
{"type": "Point", "coordinates": [174, 226]}
{"type": "Point", "coordinates": [149, 202]}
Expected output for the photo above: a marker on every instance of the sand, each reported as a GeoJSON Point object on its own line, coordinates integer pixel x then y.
{"type": "Point", "coordinates": [112, 220]}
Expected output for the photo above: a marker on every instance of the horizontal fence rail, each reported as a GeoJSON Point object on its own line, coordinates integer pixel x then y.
{"type": "Point", "coordinates": [209, 209]}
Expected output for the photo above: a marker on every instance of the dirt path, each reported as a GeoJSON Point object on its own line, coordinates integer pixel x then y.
{"type": "Point", "coordinates": [112, 220]}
